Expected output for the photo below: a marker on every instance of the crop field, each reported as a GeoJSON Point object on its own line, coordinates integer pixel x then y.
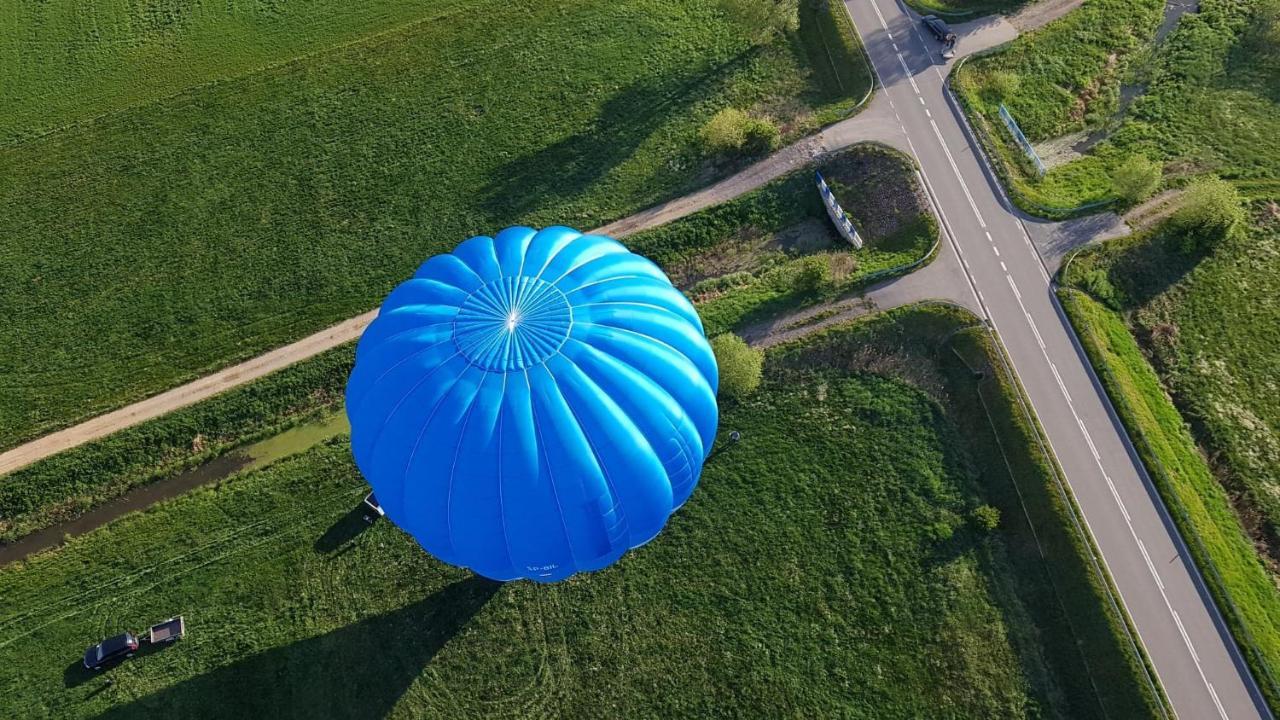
{"type": "Point", "coordinates": [69, 61]}
{"type": "Point", "coordinates": [810, 587]}
{"type": "Point", "coordinates": [1206, 99]}
{"type": "Point", "coordinates": [176, 235]}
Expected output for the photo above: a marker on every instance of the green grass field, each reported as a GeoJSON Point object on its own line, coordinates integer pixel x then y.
{"type": "Point", "coordinates": [739, 261]}
{"type": "Point", "coordinates": [70, 61]}
{"type": "Point", "coordinates": [174, 236]}
{"type": "Point", "coordinates": [1207, 104]}
{"type": "Point", "coordinates": [1244, 588]}
{"type": "Point", "coordinates": [848, 580]}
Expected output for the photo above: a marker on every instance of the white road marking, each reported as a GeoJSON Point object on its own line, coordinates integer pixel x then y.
{"type": "Point", "coordinates": [973, 287]}
{"type": "Point", "coordinates": [1151, 566]}
{"type": "Point", "coordinates": [993, 247]}
{"type": "Point", "coordinates": [1061, 385]}
{"type": "Point", "coordinates": [907, 70]}
{"type": "Point", "coordinates": [956, 169]}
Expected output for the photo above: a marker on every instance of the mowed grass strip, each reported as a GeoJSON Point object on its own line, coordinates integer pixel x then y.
{"type": "Point", "coordinates": [153, 245]}
{"type": "Point", "coordinates": [826, 565]}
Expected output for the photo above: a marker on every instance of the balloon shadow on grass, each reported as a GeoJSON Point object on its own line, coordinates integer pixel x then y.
{"type": "Point", "coordinates": [359, 671]}
{"type": "Point", "coordinates": [566, 169]}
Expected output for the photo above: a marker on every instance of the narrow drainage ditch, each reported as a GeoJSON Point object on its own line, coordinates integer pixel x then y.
{"type": "Point", "coordinates": [244, 459]}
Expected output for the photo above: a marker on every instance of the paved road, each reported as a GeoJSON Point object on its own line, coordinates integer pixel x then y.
{"type": "Point", "coordinates": [1195, 659]}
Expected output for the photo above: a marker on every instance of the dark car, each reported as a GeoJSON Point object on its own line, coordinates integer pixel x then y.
{"type": "Point", "coordinates": [938, 28]}
{"type": "Point", "coordinates": [115, 648]}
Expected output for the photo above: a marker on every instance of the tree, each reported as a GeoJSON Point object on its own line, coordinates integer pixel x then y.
{"type": "Point", "coordinates": [1136, 179]}
{"type": "Point", "coordinates": [762, 19]}
{"type": "Point", "coordinates": [1212, 211]}
{"type": "Point", "coordinates": [741, 366]}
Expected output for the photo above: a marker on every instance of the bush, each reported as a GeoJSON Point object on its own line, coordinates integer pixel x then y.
{"type": "Point", "coordinates": [1098, 284]}
{"type": "Point", "coordinates": [741, 366]}
{"type": "Point", "coordinates": [1136, 178]}
{"type": "Point", "coordinates": [725, 131]}
{"type": "Point", "coordinates": [732, 130]}
{"type": "Point", "coordinates": [813, 274]}
{"type": "Point", "coordinates": [1001, 85]}
{"type": "Point", "coordinates": [1212, 211]}
{"type": "Point", "coordinates": [986, 517]}
{"type": "Point", "coordinates": [762, 136]}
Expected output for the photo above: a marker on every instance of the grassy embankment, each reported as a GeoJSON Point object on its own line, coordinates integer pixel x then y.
{"type": "Point", "coordinates": [766, 251]}
{"type": "Point", "coordinates": [811, 586]}
{"type": "Point", "coordinates": [1208, 326]}
{"type": "Point", "coordinates": [185, 231]}
{"type": "Point", "coordinates": [1207, 100]}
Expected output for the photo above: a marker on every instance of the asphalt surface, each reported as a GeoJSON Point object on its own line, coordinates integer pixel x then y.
{"type": "Point", "coordinates": [1195, 659]}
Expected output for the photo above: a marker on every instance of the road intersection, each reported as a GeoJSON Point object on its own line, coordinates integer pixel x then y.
{"type": "Point", "coordinates": [1194, 657]}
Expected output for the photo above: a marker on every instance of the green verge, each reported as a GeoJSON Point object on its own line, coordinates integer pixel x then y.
{"type": "Point", "coordinates": [1063, 587]}
{"type": "Point", "coordinates": [845, 580]}
{"type": "Point", "coordinates": [155, 244]}
{"type": "Point", "coordinates": [1062, 78]}
{"type": "Point", "coordinates": [836, 55]}
{"type": "Point", "coordinates": [67, 485]}
{"type": "Point", "coordinates": [872, 181]}
{"type": "Point", "coordinates": [1240, 584]}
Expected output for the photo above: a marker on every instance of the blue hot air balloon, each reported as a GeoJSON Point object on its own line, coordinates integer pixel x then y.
{"type": "Point", "coordinates": [533, 404]}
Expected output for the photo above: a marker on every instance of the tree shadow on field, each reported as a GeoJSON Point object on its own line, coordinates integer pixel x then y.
{"type": "Point", "coordinates": [359, 671]}
{"type": "Point", "coordinates": [567, 168]}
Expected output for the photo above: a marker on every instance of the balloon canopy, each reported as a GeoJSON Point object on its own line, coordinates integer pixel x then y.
{"type": "Point", "coordinates": [533, 404]}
